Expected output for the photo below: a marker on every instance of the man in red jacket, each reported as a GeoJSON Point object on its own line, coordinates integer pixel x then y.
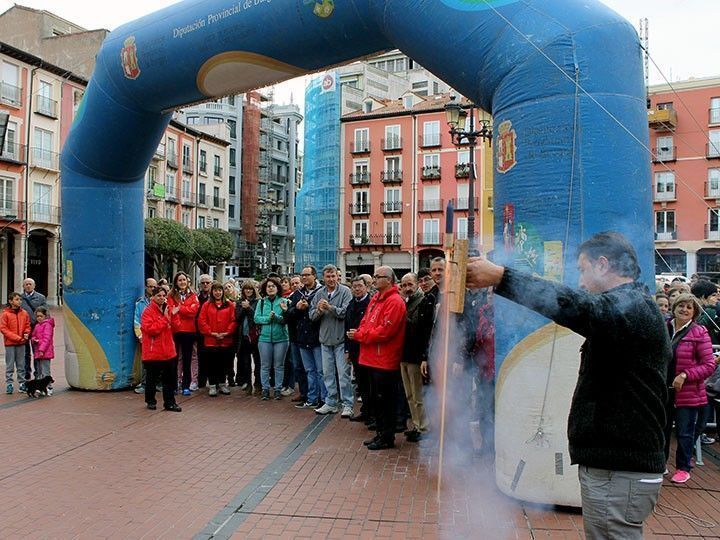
{"type": "Point", "coordinates": [381, 336]}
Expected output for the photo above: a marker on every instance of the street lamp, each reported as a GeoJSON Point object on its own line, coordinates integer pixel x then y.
{"type": "Point", "coordinates": [456, 116]}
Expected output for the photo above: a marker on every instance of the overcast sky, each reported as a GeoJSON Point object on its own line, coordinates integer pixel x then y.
{"type": "Point", "coordinates": [683, 33]}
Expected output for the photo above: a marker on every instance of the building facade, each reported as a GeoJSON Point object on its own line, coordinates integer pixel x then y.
{"type": "Point", "coordinates": [400, 169]}
{"type": "Point", "coordinates": [685, 151]}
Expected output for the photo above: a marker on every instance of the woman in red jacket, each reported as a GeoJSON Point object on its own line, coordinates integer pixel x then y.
{"type": "Point", "coordinates": [692, 363]}
{"type": "Point", "coordinates": [217, 326]}
{"type": "Point", "coordinates": [184, 305]}
{"type": "Point", "coordinates": [158, 351]}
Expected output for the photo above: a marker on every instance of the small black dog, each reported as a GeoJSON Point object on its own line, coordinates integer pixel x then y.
{"type": "Point", "coordinates": [38, 386]}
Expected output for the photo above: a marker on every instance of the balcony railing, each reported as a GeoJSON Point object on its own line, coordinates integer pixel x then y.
{"type": "Point", "coordinates": [359, 208]}
{"type": "Point", "coordinates": [430, 140]}
{"type": "Point", "coordinates": [666, 236]}
{"type": "Point", "coordinates": [430, 205]}
{"type": "Point", "coordinates": [10, 94]}
{"type": "Point", "coordinates": [14, 152]}
{"type": "Point", "coordinates": [392, 143]}
{"type": "Point", "coordinates": [663, 154]}
{"type": "Point", "coordinates": [430, 239]}
{"type": "Point", "coordinates": [218, 172]}
{"type": "Point", "coordinates": [712, 189]}
{"type": "Point", "coordinates": [44, 159]}
{"type": "Point", "coordinates": [279, 179]}
{"type": "Point", "coordinates": [391, 177]}
{"type": "Point", "coordinates": [430, 173]}
{"type": "Point", "coordinates": [46, 106]}
{"type": "Point", "coordinates": [662, 119]}
{"type": "Point", "coordinates": [373, 240]}
{"type": "Point", "coordinates": [462, 170]}
{"type": "Point", "coordinates": [155, 192]}
{"type": "Point", "coordinates": [188, 198]}
{"type": "Point", "coordinates": [171, 194]}
{"type": "Point", "coordinates": [187, 165]}
{"type": "Point", "coordinates": [713, 234]}
{"type": "Point", "coordinates": [45, 213]}
{"type": "Point", "coordinates": [219, 203]}
{"type": "Point", "coordinates": [360, 147]}
{"type": "Point", "coordinates": [391, 207]}
{"type": "Point", "coordinates": [159, 151]}
{"type": "Point", "coordinates": [279, 229]}
{"type": "Point", "coordinates": [360, 179]}
{"type": "Point", "coordinates": [714, 115]}
{"type": "Point", "coordinates": [463, 203]}
{"type": "Point", "coordinates": [667, 195]}
{"type": "Point", "coordinates": [712, 149]}
{"type": "Point", "coordinates": [203, 200]}
{"type": "Point", "coordinates": [12, 209]}
{"type": "Point", "coordinates": [172, 160]}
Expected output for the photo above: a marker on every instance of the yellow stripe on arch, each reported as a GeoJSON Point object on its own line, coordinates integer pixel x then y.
{"type": "Point", "coordinates": [93, 365]}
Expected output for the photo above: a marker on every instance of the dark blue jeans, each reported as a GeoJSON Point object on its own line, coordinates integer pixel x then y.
{"type": "Point", "coordinates": [685, 419]}
{"type": "Point", "coordinates": [300, 375]}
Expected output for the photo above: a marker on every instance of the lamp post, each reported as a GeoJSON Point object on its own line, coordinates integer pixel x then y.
{"type": "Point", "coordinates": [456, 116]}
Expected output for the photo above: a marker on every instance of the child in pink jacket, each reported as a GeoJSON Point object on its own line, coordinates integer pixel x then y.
{"type": "Point", "coordinates": [43, 343]}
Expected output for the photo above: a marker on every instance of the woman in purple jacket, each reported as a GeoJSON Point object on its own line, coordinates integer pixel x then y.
{"type": "Point", "coordinates": [692, 363]}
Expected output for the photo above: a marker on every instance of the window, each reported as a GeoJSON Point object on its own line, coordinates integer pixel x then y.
{"type": "Point", "coordinates": [360, 231]}
{"type": "Point", "coordinates": [368, 106]}
{"type": "Point", "coordinates": [431, 199]}
{"type": "Point", "coordinates": [172, 150]}
{"type": "Point", "coordinates": [233, 128]}
{"type": "Point", "coordinates": [151, 211]}
{"type": "Point", "coordinates": [11, 149]}
{"type": "Point", "coordinates": [45, 104]}
{"type": "Point", "coordinates": [213, 120]}
{"type": "Point", "coordinates": [201, 222]}
{"type": "Point", "coordinates": [664, 186]}
{"type": "Point", "coordinates": [463, 197]}
{"type": "Point", "coordinates": [203, 161]}
{"type": "Point", "coordinates": [231, 211]}
{"type": "Point", "coordinates": [170, 213]}
{"type": "Point", "coordinates": [231, 100]}
{"type": "Point", "coordinates": [431, 232]}
{"type": "Point", "coordinates": [714, 146]}
{"type": "Point", "coordinates": [10, 84]}
{"type": "Point", "coordinates": [431, 133]}
{"type": "Point", "coordinates": [362, 140]}
{"type": "Point", "coordinates": [41, 202]}
{"type": "Point", "coordinates": [431, 160]}
{"type": "Point", "coordinates": [201, 193]}
{"type": "Point", "coordinates": [664, 149]}
{"type": "Point", "coordinates": [217, 170]}
{"type": "Point", "coordinates": [186, 183]}
{"type": "Point", "coordinates": [463, 157]}
{"type": "Point", "coordinates": [392, 231]}
{"type": "Point", "coordinates": [392, 200]}
{"type": "Point", "coordinates": [193, 120]}
{"type": "Point", "coordinates": [186, 219]}
{"type": "Point", "coordinates": [392, 164]}
{"type": "Point", "coordinates": [665, 225]}
{"type": "Point", "coordinates": [715, 110]}
{"type": "Point", "coordinates": [77, 99]}
{"type": "Point", "coordinates": [713, 187]}
{"type": "Point", "coordinates": [7, 196]}
{"type": "Point", "coordinates": [361, 198]}
{"type": "Point", "coordinates": [462, 228]}
{"type": "Point", "coordinates": [216, 223]}
{"type": "Point", "coordinates": [233, 157]}
{"type": "Point", "coordinates": [667, 106]}
{"type": "Point", "coordinates": [231, 183]}
{"type": "Point", "coordinates": [713, 228]}
{"type": "Point", "coordinates": [43, 149]}
{"type": "Point", "coordinates": [186, 161]}
{"type": "Point", "coordinates": [408, 102]}
{"type": "Point", "coordinates": [216, 197]}
{"type": "Point", "coordinates": [392, 137]}
{"type": "Point", "coordinates": [151, 176]}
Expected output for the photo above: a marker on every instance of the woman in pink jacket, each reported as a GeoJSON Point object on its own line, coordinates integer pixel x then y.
{"type": "Point", "coordinates": [692, 363]}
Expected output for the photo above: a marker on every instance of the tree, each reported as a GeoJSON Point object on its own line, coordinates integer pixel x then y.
{"type": "Point", "coordinates": [167, 242]}
{"type": "Point", "coordinates": [212, 246]}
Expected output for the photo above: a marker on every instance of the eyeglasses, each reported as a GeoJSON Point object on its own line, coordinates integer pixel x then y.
{"type": "Point", "coordinates": [425, 279]}
{"type": "Point", "coordinates": [205, 282]}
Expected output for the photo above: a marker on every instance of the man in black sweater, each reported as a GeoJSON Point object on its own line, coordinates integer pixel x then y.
{"type": "Point", "coordinates": [615, 426]}
{"type": "Point", "coordinates": [353, 317]}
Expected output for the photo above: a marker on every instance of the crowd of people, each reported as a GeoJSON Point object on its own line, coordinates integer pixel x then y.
{"type": "Point", "coordinates": [324, 344]}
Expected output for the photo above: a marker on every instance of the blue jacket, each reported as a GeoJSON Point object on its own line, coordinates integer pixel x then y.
{"type": "Point", "coordinates": [274, 331]}
{"type": "Point", "coordinates": [140, 305]}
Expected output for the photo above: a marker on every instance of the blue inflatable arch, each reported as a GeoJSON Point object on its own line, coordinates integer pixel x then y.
{"type": "Point", "coordinates": [564, 167]}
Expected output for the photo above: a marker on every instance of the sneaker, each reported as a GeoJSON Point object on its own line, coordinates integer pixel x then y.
{"type": "Point", "coordinates": [186, 392]}
{"type": "Point", "coordinates": [265, 395]}
{"type": "Point", "coordinates": [193, 387]}
{"type": "Point", "coordinates": [224, 389]}
{"type": "Point", "coordinates": [278, 395]}
{"type": "Point", "coordinates": [173, 408]}
{"type": "Point", "coordinates": [704, 439]}
{"type": "Point", "coordinates": [22, 387]}
{"type": "Point", "coordinates": [139, 389]}
{"type": "Point", "coordinates": [287, 392]}
{"type": "Point", "coordinates": [347, 412]}
{"type": "Point", "coordinates": [306, 405]}
{"type": "Point", "coordinates": [680, 477]}
{"type": "Point", "coordinates": [49, 391]}
{"type": "Point", "coordinates": [326, 409]}
{"type": "Point", "coordinates": [244, 386]}
{"type": "Point", "coordinates": [213, 390]}
{"type": "Point", "coordinates": [9, 389]}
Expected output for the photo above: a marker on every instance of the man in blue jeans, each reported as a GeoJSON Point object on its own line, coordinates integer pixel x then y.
{"type": "Point", "coordinates": [307, 337]}
{"type": "Point", "coordinates": [617, 415]}
{"type": "Point", "coordinates": [328, 307]}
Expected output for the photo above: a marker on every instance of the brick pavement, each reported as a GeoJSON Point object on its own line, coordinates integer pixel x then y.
{"type": "Point", "coordinates": [99, 465]}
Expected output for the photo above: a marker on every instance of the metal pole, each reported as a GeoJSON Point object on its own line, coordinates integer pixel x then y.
{"type": "Point", "coordinates": [472, 251]}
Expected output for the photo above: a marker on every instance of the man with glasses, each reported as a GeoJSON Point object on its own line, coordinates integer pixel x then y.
{"type": "Point", "coordinates": [308, 338]}
{"type": "Point", "coordinates": [202, 356]}
{"type": "Point", "coordinates": [140, 305]}
{"type": "Point", "coordinates": [381, 336]}
{"type": "Point", "coordinates": [425, 280]}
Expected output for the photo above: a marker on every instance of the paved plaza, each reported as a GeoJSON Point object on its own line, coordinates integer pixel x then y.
{"type": "Point", "coordinates": [99, 465]}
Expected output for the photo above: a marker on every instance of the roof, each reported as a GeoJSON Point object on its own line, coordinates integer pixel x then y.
{"type": "Point", "coordinates": [33, 60]}
{"type": "Point", "coordinates": [197, 133]}
{"type": "Point", "coordinates": [395, 107]}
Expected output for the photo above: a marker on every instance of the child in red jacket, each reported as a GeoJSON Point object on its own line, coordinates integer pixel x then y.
{"type": "Point", "coordinates": [15, 328]}
{"type": "Point", "coordinates": [43, 344]}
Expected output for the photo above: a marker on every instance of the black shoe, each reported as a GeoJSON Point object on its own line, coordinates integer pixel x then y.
{"type": "Point", "coordinates": [380, 445]}
{"type": "Point", "coordinates": [173, 408]}
{"type": "Point", "coordinates": [152, 406]}
{"type": "Point", "coordinates": [413, 436]}
{"type": "Point", "coordinates": [358, 418]}
{"type": "Point", "coordinates": [370, 441]}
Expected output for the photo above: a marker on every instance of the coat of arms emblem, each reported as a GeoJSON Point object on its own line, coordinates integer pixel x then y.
{"type": "Point", "coordinates": [129, 59]}
{"type": "Point", "coordinates": [506, 147]}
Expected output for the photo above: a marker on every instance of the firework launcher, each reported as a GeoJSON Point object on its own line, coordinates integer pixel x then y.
{"type": "Point", "coordinates": [456, 255]}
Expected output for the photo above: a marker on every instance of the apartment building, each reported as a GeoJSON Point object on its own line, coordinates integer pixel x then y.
{"type": "Point", "coordinates": [684, 126]}
{"type": "Point", "coordinates": [400, 169]}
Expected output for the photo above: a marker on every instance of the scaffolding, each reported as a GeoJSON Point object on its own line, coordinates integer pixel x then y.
{"type": "Point", "coordinates": [318, 201]}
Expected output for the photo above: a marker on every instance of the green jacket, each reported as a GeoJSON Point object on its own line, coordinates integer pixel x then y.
{"type": "Point", "coordinates": [274, 331]}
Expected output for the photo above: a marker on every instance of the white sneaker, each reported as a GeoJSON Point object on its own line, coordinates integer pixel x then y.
{"type": "Point", "coordinates": [212, 392]}
{"type": "Point", "coordinates": [347, 412]}
{"type": "Point", "coordinates": [287, 391]}
{"type": "Point", "coordinates": [326, 409]}
{"type": "Point", "coordinates": [224, 389]}
{"type": "Point", "coordinates": [49, 391]}
{"type": "Point", "coordinates": [193, 386]}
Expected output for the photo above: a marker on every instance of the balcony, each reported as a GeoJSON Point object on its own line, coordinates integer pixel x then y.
{"type": "Point", "coordinates": [662, 119]}
{"type": "Point", "coordinates": [172, 160]}
{"type": "Point", "coordinates": [360, 147]}
{"type": "Point", "coordinates": [44, 213]}
{"type": "Point", "coordinates": [46, 106]}
{"type": "Point", "coordinates": [187, 165]}
{"type": "Point", "coordinates": [188, 199]}
{"type": "Point", "coordinates": [202, 200]}
{"type": "Point", "coordinates": [462, 170]}
{"type": "Point", "coordinates": [391, 207]}
{"type": "Point", "coordinates": [392, 143]}
{"type": "Point", "coordinates": [430, 239]}
{"type": "Point", "coordinates": [217, 172]}
{"type": "Point", "coordinates": [280, 230]}
{"type": "Point", "coordinates": [667, 195]}
{"type": "Point", "coordinates": [391, 177]}
{"type": "Point", "coordinates": [430, 140]}
{"type": "Point", "coordinates": [10, 95]}
{"type": "Point", "coordinates": [13, 152]}
{"type": "Point", "coordinates": [44, 159]}
{"type": "Point", "coordinates": [359, 209]}
{"type": "Point", "coordinates": [668, 236]}
{"type": "Point", "coordinates": [712, 150]}
{"type": "Point", "coordinates": [430, 173]}
{"type": "Point", "coordinates": [279, 179]}
{"type": "Point", "coordinates": [375, 240]}
{"type": "Point", "coordinates": [159, 152]}
{"type": "Point", "coordinates": [12, 210]}
{"type": "Point", "coordinates": [218, 203]}
{"type": "Point", "coordinates": [714, 116]}
{"type": "Point", "coordinates": [171, 194]}
{"type": "Point", "coordinates": [430, 205]}
{"type": "Point", "coordinates": [712, 234]}
{"type": "Point", "coordinates": [360, 179]}
{"type": "Point", "coordinates": [664, 154]}
{"type": "Point", "coordinates": [463, 203]}
{"type": "Point", "coordinates": [155, 192]}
